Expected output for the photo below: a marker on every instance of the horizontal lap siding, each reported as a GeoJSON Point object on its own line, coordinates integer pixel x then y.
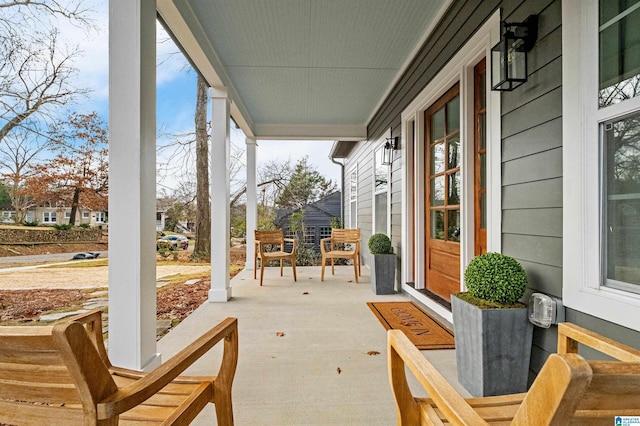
{"type": "Point", "coordinates": [531, 149]}
{"type": "Point", "coordinates": [532, 166]}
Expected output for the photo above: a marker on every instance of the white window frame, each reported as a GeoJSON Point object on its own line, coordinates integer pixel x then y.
{"type": "Point", "coordinates": [85, 215]}
{"type": "Point", "coordinates": [582, 253]}
{"type": "Point", "coordinates": [353, 222]}
{"type": "Point", "coordinates": [100, 217]}
{"type": "Point", "coordinates": [67, 214]}
{"type": "Point", "coordinates": [49, 217]}
{"type": "Point", "coordinates": [378, 148]}
{"type": "Point", "coordinates": [460, 69]}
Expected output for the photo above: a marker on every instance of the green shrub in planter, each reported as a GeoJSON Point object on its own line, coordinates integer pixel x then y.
{"type": "Point", "coordinates": [380, 244]}
{"type": "Point", "coordinates": [496, 277]}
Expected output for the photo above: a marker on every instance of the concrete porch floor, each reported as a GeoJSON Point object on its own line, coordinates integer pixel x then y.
{"type": "Point", "coordinates": [294, 379]}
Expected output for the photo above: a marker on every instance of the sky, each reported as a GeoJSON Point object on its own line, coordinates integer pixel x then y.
{"type": "Point", "coordinates": [176, 93]}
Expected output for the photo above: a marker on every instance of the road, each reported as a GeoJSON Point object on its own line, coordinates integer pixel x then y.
{"type": "Point", "coordinates": [8, 261]}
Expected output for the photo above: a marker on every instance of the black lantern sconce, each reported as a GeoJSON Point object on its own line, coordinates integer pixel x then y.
{"type": "Point", "coordinates": [390, 145]}
{"type": "Point", "coordinates": [509, 56]}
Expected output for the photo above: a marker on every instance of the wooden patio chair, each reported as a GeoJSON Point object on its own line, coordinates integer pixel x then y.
{"type": "Point", "coordinates": [568, 390]}
{"type": "Point", "coordinates": [275, 239]}
{"type": "Point", "coordinates": [334, 247]}
{"type": "Point", "coordinates": [61, 375]}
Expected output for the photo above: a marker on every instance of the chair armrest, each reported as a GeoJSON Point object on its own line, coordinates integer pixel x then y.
{"type": "Point", "coordinates": [402, 352]}
{"type": "Point", "coordinates": [570, 335]}
{"type": "Point", "coordinates": [291, 240]}
{"type": "Point", "coordinates": [81, 358]}
{"type": "Point", "coordinates": [323, 241]}
{"type": "Point", "coordinates": [128, 397]}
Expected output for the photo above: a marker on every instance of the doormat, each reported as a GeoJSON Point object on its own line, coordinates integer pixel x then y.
{"type": "Point", "coordinates": [423, 330]}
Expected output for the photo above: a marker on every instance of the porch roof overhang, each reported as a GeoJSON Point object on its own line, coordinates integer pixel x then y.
{"type": "Point", "coordinates": [302, 69]}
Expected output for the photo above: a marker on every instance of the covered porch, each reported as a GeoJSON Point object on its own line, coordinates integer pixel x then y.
{"type": "Point", "coordinates": [293, 379]}
{"type": "Point", "coordinates": [282, 71]}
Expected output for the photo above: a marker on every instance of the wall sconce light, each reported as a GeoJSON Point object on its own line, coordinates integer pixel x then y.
{"type": "Point", "coordinates": [509, 56]}
{"type": "Point", "coordinates": [390, 145]}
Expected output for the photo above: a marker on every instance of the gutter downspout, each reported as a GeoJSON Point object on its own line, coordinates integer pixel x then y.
{"type": "Point", "coordinates": [341, 186]}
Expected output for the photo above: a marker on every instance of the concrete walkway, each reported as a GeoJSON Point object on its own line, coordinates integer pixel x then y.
{"type": "Point", "coordinates": [319, 372]}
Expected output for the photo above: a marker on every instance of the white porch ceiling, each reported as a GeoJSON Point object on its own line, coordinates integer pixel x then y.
{"type": "Point", "coordinates": [302, 69]}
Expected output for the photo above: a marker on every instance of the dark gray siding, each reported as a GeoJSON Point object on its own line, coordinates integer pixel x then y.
{"type": "Point", "coordinates": [531, 149]}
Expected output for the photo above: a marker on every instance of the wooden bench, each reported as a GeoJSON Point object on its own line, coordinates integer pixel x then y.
{"type": "Point", "coordinates": [568, 389]}
{"type": "Point", "coordinates": [61, 375]}
{"type": "Point", "coordinates": [334, 247]}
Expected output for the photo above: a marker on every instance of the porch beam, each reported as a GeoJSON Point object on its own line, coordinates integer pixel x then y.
{"type": "Point", "coordinates": [220, 290]}
{"type": "Point", "coordinates": [132, 167]}
{"type": "Point", "coordinates": [252, 201]}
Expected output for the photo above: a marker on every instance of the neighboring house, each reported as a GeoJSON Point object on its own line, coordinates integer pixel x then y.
{"type": "Point", "coordinates": [161, 217]}
{"type": "Point", "coordinates": [7, 213]}
{"type": "Point", "coordinates": [317, 219]}
{"type": "Point", "coordinates": [548, 173]}
{"type": "Point", "coordinates": [49, 214]}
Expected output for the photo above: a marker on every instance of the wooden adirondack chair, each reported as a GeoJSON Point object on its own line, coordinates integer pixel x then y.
{"type": "Point", "coordinates": [61, 375]}
{"type": "Point", "coordinates": [568, 390]}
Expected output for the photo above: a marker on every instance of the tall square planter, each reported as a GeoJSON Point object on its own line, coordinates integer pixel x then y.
{"type": "Point", "coordinates": [383, 273]}
{"type": "Point", "coordinates": [493, 348]}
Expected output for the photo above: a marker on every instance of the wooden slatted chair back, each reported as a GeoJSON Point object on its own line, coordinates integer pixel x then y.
{"type": "Point", "coordinates": [345, 236]}
{"type": "Point", "coordinates": [569, 390]}
{"type": "Point", "coordinates": [615, 387]}
{"type": "Point", "coordinates": [614, 391]}
{"type": "Point", "coordinates": [34, 378]}
{"type": "Point", "coordinates": [270, 236]}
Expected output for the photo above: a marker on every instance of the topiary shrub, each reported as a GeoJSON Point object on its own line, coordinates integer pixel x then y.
{"type": "Point", "coordinates": [380, 244]}
{"type": "Point", "coordinates": [496, 277]}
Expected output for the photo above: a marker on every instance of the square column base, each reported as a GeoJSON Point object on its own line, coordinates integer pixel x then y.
{"type": "Point", "coordinates": [220, 295]}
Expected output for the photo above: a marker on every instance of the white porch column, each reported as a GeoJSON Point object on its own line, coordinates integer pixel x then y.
{"type": "Point", "coordinates": [132, 184]}
{"type": "Point", "coordinates": [252, 200]}
{"type": "Point", "coordinates": [220, 216]}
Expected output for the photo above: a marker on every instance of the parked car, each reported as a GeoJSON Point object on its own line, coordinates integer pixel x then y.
{"type": "Point", "coordinates": [86, 255]}
{"type": "Point", "coordinates": [173, 242]}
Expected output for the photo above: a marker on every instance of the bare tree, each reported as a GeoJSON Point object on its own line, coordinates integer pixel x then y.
{"type": "Point", "coordinates": [203, 213]}
{"type": "Point", "coordinates": [16, 11]}
{"type": "Point", "coordinates": [18, 156]}
{"type": "Point", "coordinates": [36, 71]}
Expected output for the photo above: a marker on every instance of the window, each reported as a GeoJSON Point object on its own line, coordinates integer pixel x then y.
{"type": "Point", "coordinates": [8, 216]}
{"type": "Point", "coordinates": [310, 235]}
{"type": "Point", "coordinates": [85, 215]}
{"type": "Point", "coordinates": [288, 233]}
{"type": "Point", "coordinates": [67, 215]}
{"type": "Point", "coordinates": [601, 131]}
{"type": "Point", "coordinates": [381, 196]}
{"type": "Point", "coordinates": [101, 217]}
{"type": "Point", "coordinates": [353, 199]}
{"type": "Point", "coordinates": [49, 217]}
{"type": "Point", "coordinates": [325, 232]}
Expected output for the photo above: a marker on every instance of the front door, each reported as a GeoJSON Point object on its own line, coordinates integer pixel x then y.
{"type": "Point", "coordinates": [443, 155]}
{"type": "Point", "coordinates": [480, 158]}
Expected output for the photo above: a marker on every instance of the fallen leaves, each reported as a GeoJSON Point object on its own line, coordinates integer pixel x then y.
{"type": "Point", "coordinates": [306, 292]}
{"type": "Point", "coordinates": [338, 370]}
{"type": "Point", "coordinates": [280, 334]}
{"type": "Point", "coordinates": [373, 353]}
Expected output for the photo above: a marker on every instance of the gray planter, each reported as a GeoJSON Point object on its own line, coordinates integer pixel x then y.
{"type": "Point", "coordinates": [383, 273]}
{"type": "Point", "coordinates": [493, 348]}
